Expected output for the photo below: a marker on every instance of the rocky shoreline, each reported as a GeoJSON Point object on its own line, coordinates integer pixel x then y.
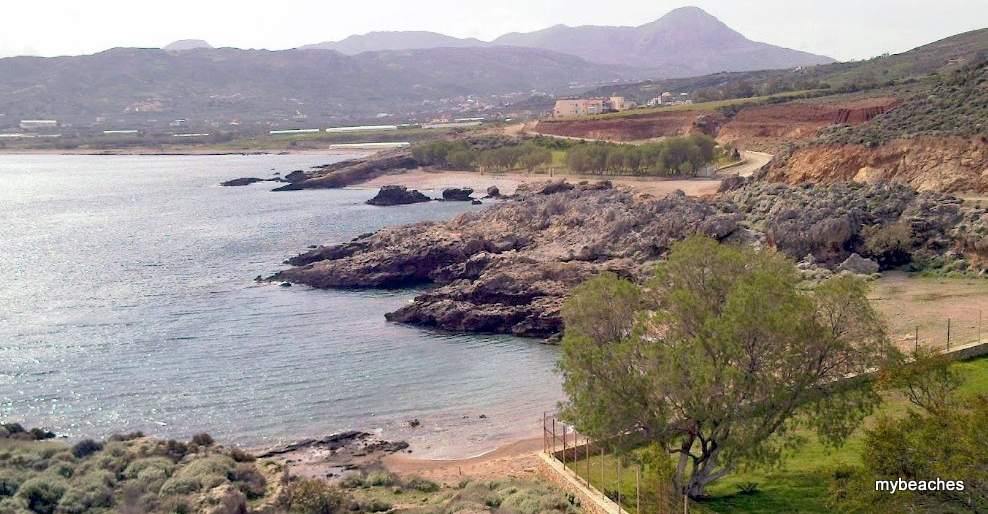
{"type": "Point", "coordinates": [507, 269]}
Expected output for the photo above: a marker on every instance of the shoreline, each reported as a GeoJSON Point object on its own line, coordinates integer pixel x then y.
{"type": "Point", "coordinates": [508, 182]}
{"type": "Point", "coordinates": [158, 152]}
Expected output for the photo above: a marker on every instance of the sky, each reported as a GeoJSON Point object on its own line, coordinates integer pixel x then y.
{"type": "Point", "coordinates": [842, 29]}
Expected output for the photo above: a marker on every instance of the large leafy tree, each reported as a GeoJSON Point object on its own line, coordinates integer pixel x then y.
{"type": "Point", "coordinates": [719, 358]}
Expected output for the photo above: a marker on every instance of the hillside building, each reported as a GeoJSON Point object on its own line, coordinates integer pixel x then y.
{"type": "Point", "coordinates": [590, 106]}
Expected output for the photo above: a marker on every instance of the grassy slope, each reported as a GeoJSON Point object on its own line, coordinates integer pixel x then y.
{"type": "Point", "coordinates": [800, 484]}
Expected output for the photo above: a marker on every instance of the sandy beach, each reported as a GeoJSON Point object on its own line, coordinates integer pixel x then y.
{"type": "Point", "coordinates": [508, 182]}
{"type": "Point", "coordinates": [517, 459]}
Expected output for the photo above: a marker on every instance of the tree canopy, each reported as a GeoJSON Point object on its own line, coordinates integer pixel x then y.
{"type": "Point", "coordinates": [718, 358]}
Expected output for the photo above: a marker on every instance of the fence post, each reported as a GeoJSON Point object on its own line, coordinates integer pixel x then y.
{"type": "Point", "coordinates": [554, 437]}
{"type": "Point", "coordinates": [638, 489]}
{"type": "Point", "coordinates": [948, 334]}
{"type": "Point", "coordinates": [588, 462]}
{"type": "Point", "coordinates": [617, 463]}
{"type": "Point", "coordinates": [603, 483]}
{"type": "Point", "coordinates": [916, 348]}
{"type": "Point", "coordinates": [686, 504]}
{"type": "Point", "coordinates": [564, 445]}
{"type": "Point", "coordinates": [545, 445]}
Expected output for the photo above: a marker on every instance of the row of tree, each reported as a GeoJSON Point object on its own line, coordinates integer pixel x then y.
{"type": "Point", "coordinates": [675, 156]}
{"type": "Point", "coordinates": [462, 155]}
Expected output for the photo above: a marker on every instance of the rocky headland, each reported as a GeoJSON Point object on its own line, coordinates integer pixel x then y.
{"type": "Point", "coordinates": [508, 268]}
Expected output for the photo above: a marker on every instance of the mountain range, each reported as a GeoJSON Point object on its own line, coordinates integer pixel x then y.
{"type": "Point", "coordinates": [685, 42]}
{"type": "Point", "coordinates": [225, 83]}
{"type": "Point", "coordinates": [404, 74]}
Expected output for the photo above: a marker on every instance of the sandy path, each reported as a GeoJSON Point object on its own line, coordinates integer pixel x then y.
{"type": "Point", "coordinates": [507, 182]}
{"type": "Point", "coordinates": [518, 459]}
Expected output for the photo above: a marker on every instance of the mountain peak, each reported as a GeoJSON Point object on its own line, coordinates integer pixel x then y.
{"type": "Point", "coordinates": [187, 44]}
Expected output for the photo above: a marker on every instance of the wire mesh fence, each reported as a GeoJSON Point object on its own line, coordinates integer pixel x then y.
{"type": "Point", "coordinates": [629, 484]}
{"type": "Point", "coordinates": [946, 335]}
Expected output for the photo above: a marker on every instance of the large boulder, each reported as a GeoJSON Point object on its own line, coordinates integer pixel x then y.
{"type": "Point", "coordinates": [858, 264]}
{"type": "Point", "coordinates": [493, 192]}
{"type": "Point", "coordinates": [397, 195]}
{"type": "Point", "coordinates": [457, 194]}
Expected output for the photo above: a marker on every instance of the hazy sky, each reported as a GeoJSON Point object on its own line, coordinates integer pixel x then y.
{"type": "Point", "coordinates": [843, 29]}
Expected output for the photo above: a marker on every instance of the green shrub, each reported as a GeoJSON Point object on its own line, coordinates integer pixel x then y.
{"type": "Point", "coordinates": [41, 494]}
{"type": "Point", "coordinates": [203, 439]}
{"type": "Point", "coordinates": [422, 484]}
{"type": "Point", "coordinates": [352, 481]}
{"type": "Point", "coordinates": [92, 492]}
{"type": "Point", "coordinates": [316, 497]}
{"type": "Point", "coordinates": [380, 479]}
{"type": "Point", "coordinates": [375, 505]}
{"type": "Point", "coordinates": [201, 474]}
{"type": "Point", "coordinates": [9, 482]}
{"type": "Point", "coordinates": [249, 480]}
{"type": "Point", "coordinates": [85, 448]}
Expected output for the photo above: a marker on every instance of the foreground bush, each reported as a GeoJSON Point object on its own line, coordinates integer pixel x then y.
{"type": "Point", "coordinates": [128, 473]}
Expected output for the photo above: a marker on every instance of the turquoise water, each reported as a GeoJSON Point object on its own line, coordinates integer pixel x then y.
{"type": "Point", "coordinates": [128, 303]}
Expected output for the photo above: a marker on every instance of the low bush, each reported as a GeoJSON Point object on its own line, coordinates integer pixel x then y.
{"type": "Point", "coordinates": [316, 497]}
{"type": "Point", "coordinates": [380, 479]}
{"type": "Point", "coordinates": [42, 494]}
{"type": "Point", "coordinates": [422, 484]}
{"type": "Point", "coordinates": [85, 448]}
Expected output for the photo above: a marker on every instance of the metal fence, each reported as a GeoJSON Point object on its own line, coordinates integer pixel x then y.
{"type": "Point", "coordinates": [629, 484]}
{"type": "Point", "coordinates": [946, 335]}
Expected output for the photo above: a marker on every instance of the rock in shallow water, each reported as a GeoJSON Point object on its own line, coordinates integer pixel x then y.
{"type": "Point", "coordinates": [457, 194]}
{"type": "Point", "coordinates": [397, 195]}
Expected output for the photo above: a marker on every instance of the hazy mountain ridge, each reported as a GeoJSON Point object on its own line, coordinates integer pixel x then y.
{"type": "Point", "coordinates": [186, 44]}
{"type": "Point", "coordinates": [685, 42]}
{"type": "Point", "coordinates": [262, 84]}
{"type": "Point", "coordinates": [394, 40]}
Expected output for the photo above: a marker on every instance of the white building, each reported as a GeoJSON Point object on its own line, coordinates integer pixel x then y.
{"type": "Point", "coordinates": [38, 124]}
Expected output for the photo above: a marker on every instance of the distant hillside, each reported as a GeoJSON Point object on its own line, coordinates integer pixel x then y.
{"type": "Point", "coordinates": [685, 42]}
{"type": "Point", "coordinates": [957, 105]}
{"type": "Point", "coordinates": [187, 44]}
{"type": "Point", "coordinates": [943, 56]}
{"type": "Point", "coordinates": [256, 84]}
{"type": "Point", "coordinates": [379, 41]}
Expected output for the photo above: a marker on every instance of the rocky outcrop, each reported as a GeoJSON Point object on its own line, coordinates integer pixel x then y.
{"type": "Point", "coordinates": [397, 195]}
{"type": "Point", "coordinates": [457, 194]}
{"type": "Point", "coordinates": [353, 171]}
{"type": "Point", "coordinates": [924, 163]}
{"type": "Point", "coordinates": [509, 268]}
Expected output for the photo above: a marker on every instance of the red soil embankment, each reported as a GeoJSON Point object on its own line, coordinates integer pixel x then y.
{"type": "Point", "coordinates": [949, 164]}
{"type": "Point", "coordinates": [766, 127]}
{"type": "Point", "coordinates": [634, 127]}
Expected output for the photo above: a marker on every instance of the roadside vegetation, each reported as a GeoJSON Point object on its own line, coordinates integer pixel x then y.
{"type": "Point", "coordinates": [671, 157]}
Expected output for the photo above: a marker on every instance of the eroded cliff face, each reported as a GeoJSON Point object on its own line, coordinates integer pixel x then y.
{"type": "Point", "coordinates": [924, 163]}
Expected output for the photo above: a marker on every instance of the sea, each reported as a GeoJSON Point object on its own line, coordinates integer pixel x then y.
{"type": "Point", "coordinates": [128, 302]}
